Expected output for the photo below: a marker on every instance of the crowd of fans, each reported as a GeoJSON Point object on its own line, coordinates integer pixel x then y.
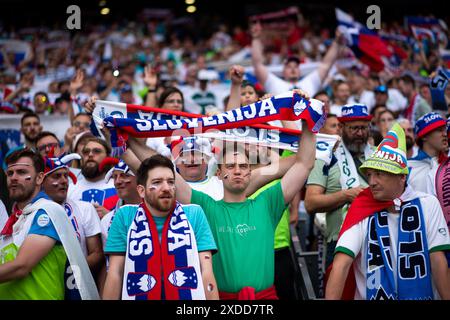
{"type": "Point", "coordinates": [57, 73]}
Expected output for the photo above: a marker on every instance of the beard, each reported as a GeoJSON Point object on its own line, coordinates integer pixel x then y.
{"type": "Point", "coordinates": [355, 145]}
{"type": "Point", "coordinates": [31, 137]}
{"type": "Point", "coordinates": [161, 204]}
{"type": "Point", "coordinates": [21, 193]}
{"type": "Point", "coordinates": [90, 172]}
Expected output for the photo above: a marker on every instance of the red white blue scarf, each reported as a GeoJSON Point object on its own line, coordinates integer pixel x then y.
{"type": "Point", "coordinates": [413, 270]}
{"type": "Point", "coordinates": [169, 269]}
{"type": "Point", "coordinates": [287, 106]}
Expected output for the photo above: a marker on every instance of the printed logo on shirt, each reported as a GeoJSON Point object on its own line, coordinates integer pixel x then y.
{"type": "Point", "coordinates": [242, 229]}
{"type": "Point", "coordinates": [43, 220]}
{"type": "Point", "coordinates": [93, 195]}
{"type": "Point", "coordinates": [443, 231]}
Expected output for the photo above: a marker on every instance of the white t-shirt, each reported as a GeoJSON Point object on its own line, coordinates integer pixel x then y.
{"type": "Point", "coordinates": [77, 173]}
{"type": "Point", "coordinates": [105, 222]}
{"type": "Point", "coordinates": [3, 215]}
{"type": "Point", "coordinates": [419, 168]}
{"type": "Point", "coordinates": [212, 186]}
{"type": "Point", "coordinates": [367, 98]}
{"type": "Point", "coordinates": [396, 100]}
{"type": "Point", "coordinates": [310, 84]}
{"type": "Point", "coordinates": [356, 241]}
{"type": "Point", "coordinates": [100, 192]}
{"type": "Point", "coordinates": [86, 218]}
{"type": "Point", "coordinates": [336, 110]}
{"type": "Point", "coordinates": [431, 181]}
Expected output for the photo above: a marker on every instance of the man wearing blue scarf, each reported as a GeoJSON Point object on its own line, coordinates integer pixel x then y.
{"type": "Point", "coordinates": [393, 238]}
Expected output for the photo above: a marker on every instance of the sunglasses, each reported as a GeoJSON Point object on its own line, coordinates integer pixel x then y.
{"type": "Point", "coordinates": [48, 146]}
{"type": "Point", "coordinates": [95, 151]}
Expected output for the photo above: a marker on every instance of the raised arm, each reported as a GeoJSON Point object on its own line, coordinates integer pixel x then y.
{"type": "Point", "coordinates": [264, 175]}
{"type": "Point", "coordinates": [331, 56]}
{"type": "Point", "coordinates": [257, 50]}
{"type": "Point", "coordinates": [236, 73]}
{"type": "Point", "coordinates": [75, 84]}
{"type": "Point", "coordinates": [150, 80]}
{"type": "Point", "coordinates": [296, 176]}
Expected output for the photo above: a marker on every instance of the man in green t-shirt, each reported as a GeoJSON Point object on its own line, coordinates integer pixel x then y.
{"type": "Point", "coordinates": [244, 228]}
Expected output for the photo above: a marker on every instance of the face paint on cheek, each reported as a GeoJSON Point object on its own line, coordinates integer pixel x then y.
{"type": "Point", "coordinates": [28, 178]}
{"type": "Point", "coordinates": [210, 287]}
{"type": "Point", "coordinates": [54, 184]}
{"type": "Point", "coordinates": [225, 176]}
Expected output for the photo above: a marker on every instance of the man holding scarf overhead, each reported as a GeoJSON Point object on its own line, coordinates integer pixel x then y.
{"type": "Point", "coordinates": [244, 228]}
{"type": "Point", "coordinates": [393, 238]}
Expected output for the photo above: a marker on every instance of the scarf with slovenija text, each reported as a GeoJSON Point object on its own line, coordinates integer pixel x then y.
{"type": "Point", "coordinates": [168, 269]}
{"type": "Point", "coordinates": [287, 106]}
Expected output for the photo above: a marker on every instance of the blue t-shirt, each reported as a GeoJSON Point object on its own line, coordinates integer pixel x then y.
{"type": "Point", "coordinates": [117, 236]}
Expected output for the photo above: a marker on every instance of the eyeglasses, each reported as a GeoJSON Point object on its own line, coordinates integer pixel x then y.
{"type": "Point", "coordinates": [355, 129]}
{"type": "Point", "coordinates": [48, 146]}
{"type": "Point", "coordinates": [95, 151]}
{"type": "Point", "coordinates": [81, 124]}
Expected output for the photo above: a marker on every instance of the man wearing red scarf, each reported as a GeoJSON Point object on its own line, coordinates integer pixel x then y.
{"type": "Point", "coordinates": [31, 262]}
{"type": "Point", "coordinates": [358, 272]}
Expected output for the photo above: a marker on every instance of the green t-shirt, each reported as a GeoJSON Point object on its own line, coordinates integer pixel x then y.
{"type": "Point", "coordinates": [282, 234]}
{"type": "Point", "coordinates": [329, 178]}
{"type": "Point", "coordinates": [244, 234]}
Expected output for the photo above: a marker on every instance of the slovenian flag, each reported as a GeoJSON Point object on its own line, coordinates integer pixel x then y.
{"type": "Point", "coordinates": [431, 28]}
{"type": "Point", "coordinates": [423, 33]}
{"type": "Point", "coordinates": [366, 44]}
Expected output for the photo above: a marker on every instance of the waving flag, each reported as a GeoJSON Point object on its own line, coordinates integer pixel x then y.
{"type": "Point", "coordinates": [437, 88]}
{"type": "Point", "coordinates": [431, 28]}
{"type": "Point", "coordinates": [366, 44]}
{"type": "Point", "coordinates": [421, 33]}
